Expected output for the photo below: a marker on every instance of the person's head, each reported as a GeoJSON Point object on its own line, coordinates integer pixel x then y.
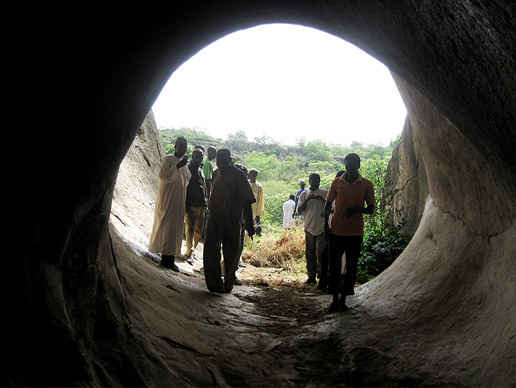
{"type": "Point", "coordinates": [242, 168]}
{"type": "Point", "coordinates": [180, 146]}
{"type": "Point", "coordinates": [212, 153]}
{"type": "Point", "coordinates": [201, 148]}
{"type": "Point", "coordinates": [292, 197]}
{"type": "Point", "coordinates": [223, 158]}
{"type": "Point", "coordinates": [197, 157]}
{"type": "Point", "coordinates": [302, 185]}
{"type": "Point", "coordinates": [352, 163]}
{"type": "Point", "coordinates": [253, 173]}
{"type": "Point", "coordinates": [315, 180]}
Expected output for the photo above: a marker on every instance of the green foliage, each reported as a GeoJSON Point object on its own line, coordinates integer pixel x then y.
{"type": "Point", "coordinates": [383, 242]}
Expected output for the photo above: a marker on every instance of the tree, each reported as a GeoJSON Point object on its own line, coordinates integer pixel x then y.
{"type": "Point", "coordinates": [238, 145]}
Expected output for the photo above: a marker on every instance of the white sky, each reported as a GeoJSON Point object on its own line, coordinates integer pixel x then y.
{"type": "Point", "coordinates": [286, 82]}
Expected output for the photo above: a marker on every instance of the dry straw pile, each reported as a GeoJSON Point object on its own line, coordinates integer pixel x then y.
{"type": "Point", "coordinates": [283, 250]}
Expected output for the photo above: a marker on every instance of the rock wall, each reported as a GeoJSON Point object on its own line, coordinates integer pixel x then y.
{"type": "Point", "coordinates": [406, 182]}
{"type": "Point", "coordinates": [134, 196]}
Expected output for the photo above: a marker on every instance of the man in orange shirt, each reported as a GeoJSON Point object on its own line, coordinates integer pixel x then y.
{"type": "Point", "coordinates": [350, 192]}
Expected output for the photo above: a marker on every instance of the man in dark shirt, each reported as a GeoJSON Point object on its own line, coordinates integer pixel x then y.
{"type": "Point", "coordinates": [231, 195]}
{"type": "Point", "coordinates": [195, 204]}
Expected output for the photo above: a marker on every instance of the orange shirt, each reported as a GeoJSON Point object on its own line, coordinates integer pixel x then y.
{"type": "Point", "coordinates": [347, 195]}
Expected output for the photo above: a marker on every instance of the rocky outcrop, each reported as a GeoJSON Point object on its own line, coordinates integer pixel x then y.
{"type": "Point", "coordinates": [132, 209]}
{"type": "Point", "coordinates": [406, 186]}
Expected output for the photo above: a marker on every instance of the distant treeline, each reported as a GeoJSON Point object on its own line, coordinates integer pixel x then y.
{"type": "Point", "coordinates": [274, 160]}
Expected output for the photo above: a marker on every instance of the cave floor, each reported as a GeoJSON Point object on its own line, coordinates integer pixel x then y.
{"type": "Point", "coordinates": [261, 334]}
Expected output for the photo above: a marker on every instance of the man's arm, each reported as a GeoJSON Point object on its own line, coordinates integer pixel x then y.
{"type": "Point", "coordinates": [301, 208]}
{"type": "Point", "coordinates": [350, 211]}
{"type": "Point", "coordinates": [327, 211]}
{"type": "Point", "coordinates": [248, 217]}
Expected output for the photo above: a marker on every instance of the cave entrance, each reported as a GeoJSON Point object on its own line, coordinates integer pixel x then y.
{"type": "Point", "coordinates": [277, 72]}
{"type": "Point", "coordinates": [446, 314]}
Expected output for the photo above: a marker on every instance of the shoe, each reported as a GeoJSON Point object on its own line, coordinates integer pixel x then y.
{"type": "Point", "coordinates": [217, 290]}
{"type": "Point", "coordinates": [237, 282]}
{"type": "Point", "coordinates": [168, 262]}
{"type": "Point", "coordinates": [334, 307]}
{"type": "Point", "coordinates": [228, 290]}
{"type": "Point", "coordinates": [190, 260]}
{"type": "Point", "coordinates": [311, 281]}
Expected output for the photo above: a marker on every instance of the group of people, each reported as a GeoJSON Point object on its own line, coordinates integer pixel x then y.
{"type": "Point", "coordinates": [198, 197]}
{"type": "Point", "coordinates": [226, 202]}
{"type": "Point", "coordinates": [334, 226]}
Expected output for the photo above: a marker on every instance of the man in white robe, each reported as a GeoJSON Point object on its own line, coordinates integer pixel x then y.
{"type": "Point", "coordinates": [167, 231]}
{"type": "Point", "coordinates": [288, 210]}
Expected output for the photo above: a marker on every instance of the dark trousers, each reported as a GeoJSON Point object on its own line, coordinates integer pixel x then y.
{"type": "Point", "coordinates": [211, 257]}
{"type": "Point", "coordinates": [338, 245]}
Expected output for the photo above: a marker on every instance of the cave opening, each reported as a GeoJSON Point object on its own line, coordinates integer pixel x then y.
{"type": "Point", "coordinates": [262, 42]}
{"type": "Point", "coordinates": [444, 316]}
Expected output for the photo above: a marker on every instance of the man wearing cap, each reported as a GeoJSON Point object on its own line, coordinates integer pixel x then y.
{"type": "Point", "coordinates": [298, 217]}
{"type": "Point", "coordinates": [169, 214]}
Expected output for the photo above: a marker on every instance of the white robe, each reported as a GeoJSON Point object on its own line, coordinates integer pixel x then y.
{"type": "Point", "coordinates": [288, 211]}
{"type": "Point", "coordinates": [169, 213]}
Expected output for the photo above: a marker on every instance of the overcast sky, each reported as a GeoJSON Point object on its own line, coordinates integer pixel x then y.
{"type": "Point", "coordinates": [286, 82]}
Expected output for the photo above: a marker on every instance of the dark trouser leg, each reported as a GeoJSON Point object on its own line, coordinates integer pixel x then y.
{"type": "Point", "coordinates": [231, 251]}
{"type": "Point", "coordinates": [311, 255]}
{"type": "Point", "coordinates": [320, 246]}
{"type": "Point", "coordinates": [323, 274]}
{"type": "Point", "coordinates": [353, 245]}
{"type": "Point", "coordinates": [335, 251]}
{"type": "Point", "coordinates": [211, 257]}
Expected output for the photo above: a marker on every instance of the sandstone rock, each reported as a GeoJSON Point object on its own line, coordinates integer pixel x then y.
{"type": "Point", "coordinates": [406, 183]}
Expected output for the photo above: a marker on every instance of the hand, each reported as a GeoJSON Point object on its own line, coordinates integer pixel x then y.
{"type": "Point", "coordinates": [351, 211]}
{"type": "Point", "coordinates": [327, 232]}
{"type": "Point", "coordinates": [250, 231]}
{"type": "Point", "coordinates": [182, 162]}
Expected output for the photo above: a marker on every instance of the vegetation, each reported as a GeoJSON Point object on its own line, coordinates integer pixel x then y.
{"type": "Point", "coordinates": [280, 170]}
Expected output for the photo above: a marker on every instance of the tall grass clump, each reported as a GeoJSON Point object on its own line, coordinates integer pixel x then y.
{"type": "Point", "coordinates": [278, 248]}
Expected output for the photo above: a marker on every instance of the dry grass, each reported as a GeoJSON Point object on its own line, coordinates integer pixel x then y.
{"type": "Point", "coordinates": [283, 249]}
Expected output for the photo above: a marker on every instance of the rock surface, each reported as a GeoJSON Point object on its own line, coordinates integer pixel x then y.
{"type": "Point", "coordinates": [407, 186]}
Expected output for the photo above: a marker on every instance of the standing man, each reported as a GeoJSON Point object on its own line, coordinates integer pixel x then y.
{"type": "Point", "coordinates": [311, 205]}
{"type": "Point", "coordinates": [167, 230]}
{"type": "Point", "coordinates": [207, 167]}
{"type": "Point", "coordinates": [259, 205]}
{"type": "Point", "coordinates": [195, 204]}
{"type": "Point", "coordinates": [288, 209]}
{"type": "Point", "coordinates": [298, 217]}
{"type": "Point", "coordinates": [350, 192]}
{"type": "Point", "coordinates": [231, 195]}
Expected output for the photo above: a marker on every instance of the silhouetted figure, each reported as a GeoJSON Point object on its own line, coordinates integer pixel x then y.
{"type": "Point", "coordinates": [207, 167]}
{"type": "Point", "coordinates": [350, 192]}
{"type": "Point", "coordinates": [169, 214]}
{"type": "Point", "coordinates": [231, 195]}
{"type": "Point", "coordinates": [311, 205]}
{"type": "Point", "coordinates": [195, 204]}
{"type": "Point", "coordinates": [288, 209]}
